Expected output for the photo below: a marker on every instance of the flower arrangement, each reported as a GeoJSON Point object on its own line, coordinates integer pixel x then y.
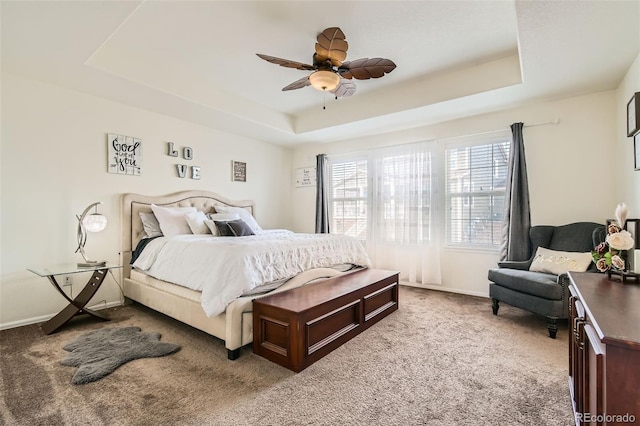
{"type": "Point", "coordinates": [609, 254]}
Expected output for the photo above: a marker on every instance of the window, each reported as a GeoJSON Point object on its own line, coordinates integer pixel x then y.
{"type": "Point", "coordinates": [348, 197]}
{"type": "Point", "coordinates": [402, 194]}
{"type": "Point", "coordinates": [475, 191]}
{"type": "Point", "coordinates": [388, 200]}
{"type": "Point", "coordinates": [390, 196]}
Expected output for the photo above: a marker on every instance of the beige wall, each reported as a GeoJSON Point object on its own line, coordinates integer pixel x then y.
{"type": "Point", "coordinates": [54, 165]}
{"type": "Point", "coordinates": [568, 166]}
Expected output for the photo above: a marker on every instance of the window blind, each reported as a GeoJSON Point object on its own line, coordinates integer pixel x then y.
{"type": "Point", "coordinates": [475, 190]}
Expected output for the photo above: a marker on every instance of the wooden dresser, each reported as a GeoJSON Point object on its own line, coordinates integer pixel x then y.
{"type": "Point", "coordinates": [604, 349]}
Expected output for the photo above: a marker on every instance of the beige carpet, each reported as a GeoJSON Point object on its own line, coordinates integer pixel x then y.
{"type": "Point", "coordinates": [442, 359]}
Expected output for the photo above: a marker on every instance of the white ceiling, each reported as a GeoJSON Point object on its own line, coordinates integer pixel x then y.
{"type": "Point", "coordinates": [196, 60]}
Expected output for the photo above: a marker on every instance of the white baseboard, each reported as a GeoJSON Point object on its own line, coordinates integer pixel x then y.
{"type": "Point", "coordinates": [447, 289]}
{"type": "Point", "coordinates": [44, 318]}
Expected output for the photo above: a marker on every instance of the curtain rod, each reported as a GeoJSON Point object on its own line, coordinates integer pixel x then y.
{"type": "Point", "coordinates": [542, 123]}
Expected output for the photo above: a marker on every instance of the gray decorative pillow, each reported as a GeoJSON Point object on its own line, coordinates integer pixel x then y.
{"type": "Point", "coordinates": [242, 213]}
{"type": "Point", "coordinates": [150, 224]}
{"type": "Point", "coordinates": [240, 228]}
{"type": "Point", "coordinates": [233, 228]}
{"type": "Point", "coordinates": [223, 228]}
{"type": "Point", "coordinates": [220, 217]}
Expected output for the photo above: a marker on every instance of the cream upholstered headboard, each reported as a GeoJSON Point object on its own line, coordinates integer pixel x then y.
{"type": "Point", "coordinates": [133, 204]}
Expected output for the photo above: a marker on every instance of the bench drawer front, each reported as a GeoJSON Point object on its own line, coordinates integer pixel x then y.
{"type": "Point", "coordinates": [329, 327]}
{"type": "Point", "coordinates": [380, 303]}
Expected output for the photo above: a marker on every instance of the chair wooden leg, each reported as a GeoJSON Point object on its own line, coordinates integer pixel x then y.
{"type": "Point", "coordinates": [552, 326]}
{"type": "Point", "coordinates": [495, 305]}
{"type": "Point", "coordinates": [233, 354]}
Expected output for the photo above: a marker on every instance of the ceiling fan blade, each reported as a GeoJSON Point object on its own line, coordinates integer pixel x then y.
{"type": "Point", "coordinates": [298, 84]}
{"type": "Point", "coordinates": [344, 89]}
{"type": "Point", "coordinates": [331, 45]}
{"type": "Point", "coordinates": [286, 63]}
{"type": "Point", "coordinates": [366, 68]}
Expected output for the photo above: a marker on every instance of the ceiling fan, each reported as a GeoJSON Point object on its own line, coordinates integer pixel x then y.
{"type": "Point", "coordinates": [330, 73]}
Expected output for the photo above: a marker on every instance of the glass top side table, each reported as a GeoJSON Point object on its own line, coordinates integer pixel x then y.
{"type": "Point", "coordinates": [77, 305]}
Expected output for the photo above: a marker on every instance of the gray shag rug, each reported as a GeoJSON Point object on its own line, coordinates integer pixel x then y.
{"type": "Point", "coordinates": [100, 352]}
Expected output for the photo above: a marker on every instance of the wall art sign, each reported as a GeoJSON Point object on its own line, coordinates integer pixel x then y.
{"type": "Point", "coordinates": [305, 176]}
{"type": "Point", "coordinates": [124, 155]}
{"type": "Point", "coordinates": [238, 171]}
{"type": "Point", "coordinates": [187, 154]}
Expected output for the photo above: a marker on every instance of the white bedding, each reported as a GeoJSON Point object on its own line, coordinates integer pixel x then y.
{"type": "Point", "coordinates": [223, 268]}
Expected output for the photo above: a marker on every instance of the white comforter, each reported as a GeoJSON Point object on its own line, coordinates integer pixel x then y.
{"type": "Point", "coordinates": [223, 268]}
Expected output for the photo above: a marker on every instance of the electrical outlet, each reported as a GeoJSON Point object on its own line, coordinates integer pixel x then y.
{"type": "Point", "coordinates": [67, 281]}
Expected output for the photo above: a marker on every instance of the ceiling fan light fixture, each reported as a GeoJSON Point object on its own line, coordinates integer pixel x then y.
{"type": "Point", "coordinates": [325, 81]}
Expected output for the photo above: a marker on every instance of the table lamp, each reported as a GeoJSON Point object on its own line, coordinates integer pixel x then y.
{"type": "Point", "coordinates": [89, 222]}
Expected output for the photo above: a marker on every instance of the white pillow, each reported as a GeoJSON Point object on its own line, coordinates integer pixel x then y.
{"type": "Point", "coordinates": [150, 224]}
{"type": "Point", "coordinates": [559, 262]}
{"type": "Point", "coordinates": [244, 215]}
{"type": "Point", "coordinates": [220, 217]}
{"type": "Point", "coordinates": [172, 219]}
{"type": "Point", "coordinates": [196, 222]}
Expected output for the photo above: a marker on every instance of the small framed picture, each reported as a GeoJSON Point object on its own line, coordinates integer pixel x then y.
{"type": "Point", "coordinates": [636, 152]}
{"type": "Point", "coordinates": [238, 171]}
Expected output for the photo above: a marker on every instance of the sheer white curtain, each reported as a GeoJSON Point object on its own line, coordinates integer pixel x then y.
{"type": "Point", "coordinates": [403, 229]}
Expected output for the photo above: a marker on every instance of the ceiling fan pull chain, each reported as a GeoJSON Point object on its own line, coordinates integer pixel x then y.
{"type": "Point", "coordinates": [324, 100]}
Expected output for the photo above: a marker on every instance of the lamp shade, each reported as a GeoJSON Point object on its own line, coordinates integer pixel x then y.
{"type": "Point", "coordinates": [324, 80]}
{"type": "Point", "coordinates": [94, 222]}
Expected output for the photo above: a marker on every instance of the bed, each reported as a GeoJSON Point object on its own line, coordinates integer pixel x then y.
{"type": "Point", "coordinates": [234, 323]}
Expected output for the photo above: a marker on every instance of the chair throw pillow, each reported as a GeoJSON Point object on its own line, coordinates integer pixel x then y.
{"type": "Point", "coordinates": [559, 262]}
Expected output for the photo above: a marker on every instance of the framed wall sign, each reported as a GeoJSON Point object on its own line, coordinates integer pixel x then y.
{"type": "Point", "coordinates": [633, 115]}
{"type": "Point", "coordinates": [124, 155]}
{"type": "Point", "coordinates": [238, 171]}
{"type": "Point", "coordinates": [305, 176]}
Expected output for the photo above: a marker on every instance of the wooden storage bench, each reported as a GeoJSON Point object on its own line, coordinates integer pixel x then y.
{"type": "Point", "coordinates": [297, 327]}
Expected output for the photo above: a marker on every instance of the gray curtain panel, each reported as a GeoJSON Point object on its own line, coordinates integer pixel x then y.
{"type": "Point", "coordinates": [322, 202]}
{"type": "Point", "coordinates": [517, 215]}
